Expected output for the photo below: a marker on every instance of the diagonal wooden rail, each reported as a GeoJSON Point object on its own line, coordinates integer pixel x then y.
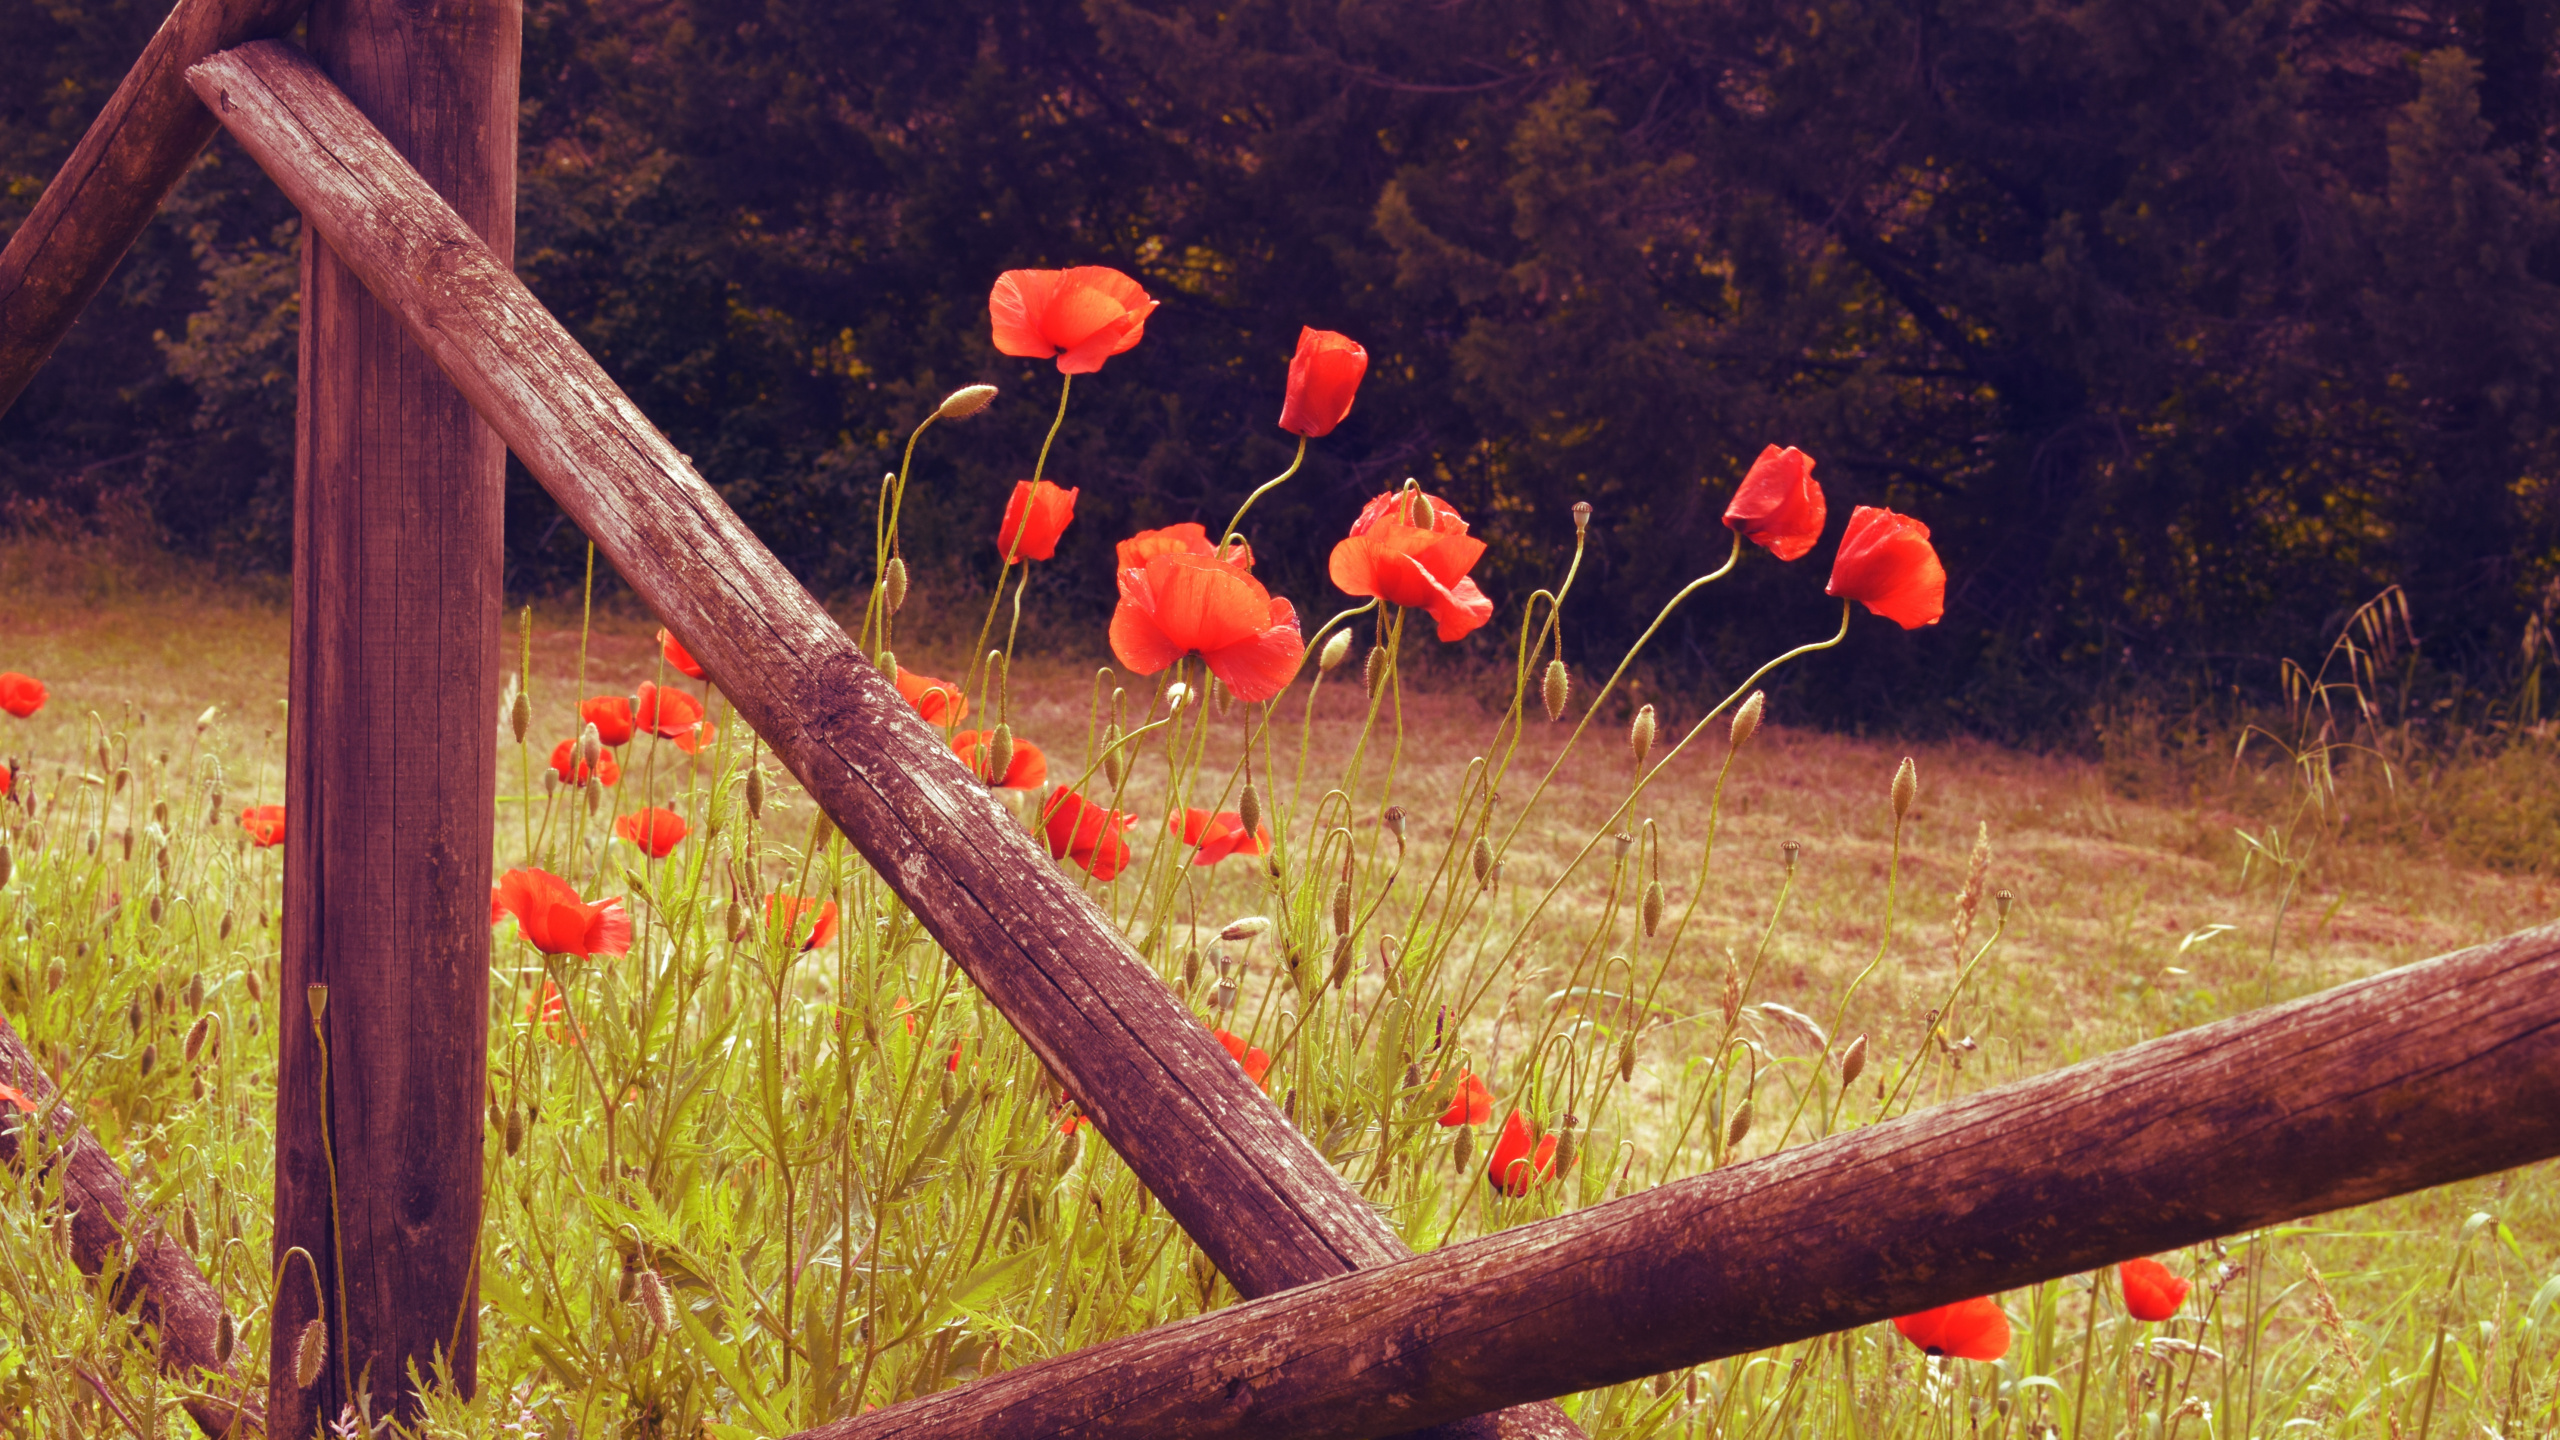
{"type": "Point", "coordinates": [1229, 1168]}
{"type": "Point", "coordinates": [2429, 1074]}
{"type": "Point", "coordinates": [125, 164]}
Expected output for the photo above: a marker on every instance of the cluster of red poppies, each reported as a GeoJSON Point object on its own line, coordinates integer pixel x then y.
{"type": "Point", "coordinates": [1978, 1329]}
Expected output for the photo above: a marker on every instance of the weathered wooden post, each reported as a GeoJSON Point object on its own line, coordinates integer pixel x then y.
{"type": "Point", "coordinates": [392, 754]}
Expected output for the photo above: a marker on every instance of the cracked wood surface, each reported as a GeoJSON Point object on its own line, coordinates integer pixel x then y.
{"type": "Point", "coordinates": [1250, 1189]}
{"type": "Point", "coordinates": [2421, 1076]}
{"type": "Point", "coordinates": [125, 164]}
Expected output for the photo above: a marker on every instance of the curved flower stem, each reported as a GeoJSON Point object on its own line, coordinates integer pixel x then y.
{"type": "Point", "coordinates": [1265, 488]}
{"type": "Point", "coordinates": [1920, 1050]}
{"type": "Point", "coordinates": [1041, 465]}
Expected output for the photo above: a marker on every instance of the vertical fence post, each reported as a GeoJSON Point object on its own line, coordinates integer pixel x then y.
{"type": "Point", "coordinates": [392, 757]}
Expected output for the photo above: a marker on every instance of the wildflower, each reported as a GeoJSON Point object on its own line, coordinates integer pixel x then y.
{"type": "Point", "coordinates": [1778, 507]}
{"type": "Point", "coordinates": [18, 1099]}
{"type": "Point", "coordinates": [938, 701]}
{"type": "Point", "coordinates": [1034, 519]}
{"type": "Point", "coordinates": [1179, 602]}
{"type": "Point", "coordinates": [564, 760]}
{"type": "Point", "coordinates": [1887, 564]}
{"type": "Point", "coordinates": [1323, 377]}
{"type": "Point", "coordinates": [1516, 1164]}
{"type": "Point", "coordinates": [2150, 1291]}
{"type": "Point", "coordinates": [1186, 538]}
{"type": "Point", "coordinates": [611, 715]}
{"type": "Point", "coordinates": [1083, 316]}
{"type": "Point", "coordinates": [671, 714]}
{"type": "Point", "coordinates": [654, 830]}
{"type": "Point", "coordinates": [1975, 1329]}
{"type": "Point", "coordinates": [1219, 835]}
{"type": "Point", "coordinates": [1028, 769]}
{"type": "Point", "coordinates": [21, 695]}
{"type": "Point", "coordinates": [696, 738]}
{"type": "Point", "coordinates": [1086, 833]}
{"type": "Point", "coordinates": [1472, 1105]}
{"type": "Point", "coordinates": [1423, 566]}
{"type": "Point", "coordinates": [550, 1010]}
{"type": "Point", "coordinates": [785, 911]}
{"type": "Point", "coordinates": [554, 920]}
{"type": "Point", "coordinates": [1256, 1063]}
{"type": "Point", "coordinates": [676, 655]}
{"type": "Point", "coordinates": [265, 824]}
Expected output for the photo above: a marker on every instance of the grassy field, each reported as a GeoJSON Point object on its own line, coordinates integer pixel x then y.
{"type": "Point", "coordinates": [833, 1209]}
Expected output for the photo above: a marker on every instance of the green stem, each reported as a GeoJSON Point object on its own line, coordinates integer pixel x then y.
{"type": "Point", "coordinates": [1265, 488]}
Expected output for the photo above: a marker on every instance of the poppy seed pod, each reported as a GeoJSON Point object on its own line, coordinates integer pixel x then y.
{"type": "Point", "coordinates": [1336, 650]}
{"type": "Point", "coordinates": [964, 402]}
{"type": "Point", "coordinates": [893, 584]}
{"type": "Point", "coordinates": [1581, 516]}
{"type": "Point", "coordinates": [1853, 1062]}
{"type": "Point", "coordinates": [1640, 735]}
{"type": "Point", "coordinates": [1906, 786]}
{"type": "Point", "coordinates": [1556, 690]}
{"type": "Point", "coordinates": [1789, 850]}
{"type": "Point", "coordinates": [310, 1353]}
{"type": "Point", "coordinates": [1746, 721]}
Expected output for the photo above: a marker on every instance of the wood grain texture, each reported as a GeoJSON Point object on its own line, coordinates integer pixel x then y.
{"type": "Point", "coordinates": [130, 158]}
{"type": "Point", "coordinates": [1229, 1168]}
{"type": "Point", "coordinates": [2422, 1076]}
{"type": "Point", "coordinates": [157, 1279]}
{"type": "Point", "coordinates": [399, 494]}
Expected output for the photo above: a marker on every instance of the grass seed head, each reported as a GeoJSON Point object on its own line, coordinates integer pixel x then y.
{"type": "Point", "coordinates": [309, 1353]}
{"type": "Point", "coordinates": [1640, 735]}
{"type": "Point", "coordinates": [964, 402]}
{"type": "Point", "coordinates": [1746, 721]}
{"type": "Point", "coordinates": [1906, 786]}
{"type": "Point", "coordinates": [1336, 650]}
{"type": "Point", "coordinates": [1556, 690]}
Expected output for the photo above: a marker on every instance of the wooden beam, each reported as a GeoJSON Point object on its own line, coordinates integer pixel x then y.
{"type": "Point", "coordinates": [391, 753]}
{"type": "Point", "coordinates": [114, 181]}
{"type": "Point", "coordinates": [2434, 1073]}
{"type": "Point", "coordinates": [157, 1278]}
{"type": "Point", "coordinates": [1248, 1187]}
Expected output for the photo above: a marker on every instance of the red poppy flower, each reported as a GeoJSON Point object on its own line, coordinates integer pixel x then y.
{"type": "Point", "coordinates": [610, 714]}
{"type": "Point", "coordinates": [1070, 1116]}
{"type": "Point", "coordinates": [8, 778]}
{"type": "Point", "coordinates": [1084, 832]}
{"type": "Point", "coordinates": [904, 1009]}
{"type": "Point", "coordinates": [938, 701]}
{"type": "Point", "coordinates": [1975, 1329]}
{"type": "Point", "coordinates": [786, 910]}
{"type": "Point", "coordinates": [1887, 564]}
{"type": "Point", "coordinates": [21, 695]}
{"type": "Point", "coordinates": [1257, 1065]}
{"type": "Point", "coordinates": [564, 760]}
{"type": "Point", "coordinates": [1778, 506]}
{"type": "Point", "coordinates": [1028, 770]}
{"type": "Point", "coordinates": [1034, 519]}
{"type": "Point", "coordinates": [554, 920]}
{"type": "Point", "coordinates": [670, 713]}
{"type": "Point", "coordinates": [953, 1064]}
{"type": "Point", "coordinates": [265, 824]}
{"type": "Point", "coordinates": [1177, 603]}
{"type": "Point", "coordinates": [681, 658]}
{"type": "Point", "coordinates": [1186, 538]}
{"type": "Point", "coordinates": [1422, 567]}
{"type": "Point", "coordinates": [19, 1100]}
{"type": "Point", "coordinates": [1323, 376]}
{"type": "Point", "coordinates": [697, 738]}
{"type": "Point", "coordinates": [1472, 1105]}
{"type": "Point", "coordinates": [1219, 835]}
{"type": "Point", "coordinates": [654, 830]}
{"type": "Point", "coordinates": [1083, 316]}
{"type": "Point", "coordinates": [550, 1010]}
{"type": "Point", "coordinates": [1516, 1165]}
{"type": "Point", "coordinates": [2150, 1291]}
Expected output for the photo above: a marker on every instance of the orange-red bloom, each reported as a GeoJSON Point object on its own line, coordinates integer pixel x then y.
{"type": "Point", "coordinates": [564, 760]}
{"type": "Point", "coordinates": [670, 713]}
{"type": "Point", "coordinates": [1219, 835]}
{"type": "Point", "coordinates": [677, 655]}
{"type": "Point", "coordinates": [1028, 770]}
{"type": "Point", "coordinates": [610, 714]}
{"type": "Point", "coordinates": [1423, 567]}
{"type": "Point", "coordinates": [1778, 506]}
{"type": "Point", "coordinates": [21, 695]}
{"type": "Point", "coordinates": [697, 737]}
{"type": "Point", "coordinates": [1516, 1164]}
{"type": "Point", "coordinates": [18, 1099]}
{"type": "Point", "coordinates": [1472, 1105]}
{"type": "Point", "coordinates": [1086, 833]}
{"type": "Point", "coordinates": [1083, 316]}
{"type": "Point", "coordinates": [1323, 376]}
{"type": "Point", "coordinates": [1186, 538]}
{"type": "Point", "coordinates": [554, 920]}
{"type": "Point", "coordinates": [2150, 1291]}
{"type": "Point", "coordinates": [1257, 1065]}
{"type": "Point", "coordinates": [786, 910]}
{"type": "Point", "coordinates": [1975, 1329]}
{"type": "Point", "coordinates": [1887, 564]}
{"type": "Point", "coordinates": [1179, 602]}
{"type": "Point", "coordinates": [265, 824]}
{"type": "Point", "coordinates": [654, 830]}
{"type": "Point", "coordinates": [938, 701]}
{"type": "Point", "coordinates": [550, 1010]}
{"type": "Point", "coordinates": [1034, 519]}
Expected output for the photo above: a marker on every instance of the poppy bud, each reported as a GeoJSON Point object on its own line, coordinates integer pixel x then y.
{"type": "Point", "coordinates": [154, 909]}
{"type": "Point", "coordinates": [1174, 695]}
{"type": "Point", "coordinates": [1342, 908]}
{"type": "Point", "coordinates": [1111, 753]}
{"type": "Point", "coordinates": [1341, 971]}
{"type": "Point", "coordinates": [1789, 850]}
{"type": "Point", "coordinates": [124, 777]}
{"type": "Point", "coordinates": [195, 1087]}
{"type": "Point", "coordinates": [133, 1015]}
{"type": "Point", "coordinates": [309, 1353]}
{"type": "Point", "coordinates": [1906, 784]}
{"type": "Point", "coordinates": [1464, 1152]}
{"type": "Point", "coordinates": [1568, 1143]}
{"type": "Point", "coordinates": [595, 794]}
{"type": "Point", "coordinates": [195, 1036]}
{"type": "Point", "coordinates": [257, 988]}
{"type": "Point", "coordinates": [520, 716]}
{"type": "Point", "coordinates": [6, 865]}
{"type": "Point", "coordinates": [1746, 721]}
{"type": "Point", "coordinates": [195, 991]}
{"type": "Point", "coordinates": [515, 1130]}
{"type": "Point", "coordinates": [755, 792]}
{"type": "Point", "coordinates": [1418, 512]}
{"type": "Point", "coordinates": [187, 1228]}
{"type": "Point", "coordinates": [550, 782]}
{"type": "Point", "coordinates": [1246, 928]}
{"type": "Point", "coordinates": [1627, 1057]}
{"type": "Point", "coordinates": [1249, 809]}
{"type": "Point", "coordinates": [964, 402]}
{"type": "Point", "coordinates": [1741, 1125]}
{"type": "Point", "coordinates": [1000, 754]}
{"type": "Point", "coordinates": [160, 813]}
{"type": "Point", "coordinates": [125, 838]}
{"type": "Point", "coordinates": [886, 662]}
{"type": "Point", "coordinates": [53, 975]}
{"type": "Point", "coordinates": [225, 1338]}
{"type": "Point", "coordinates": [1652, 909]}
{"type": "Point", "coordinates": [1336, 650]}
{"type": "Point", "coordinates": [590, 745]}
{"type": "Point", "coordinates": [1581, 516]}
{"type": "Point", "coordinates": [1190, 970]}
{"type": "Point", "coordinates": [1640, 735]}
{"type": "Point", "coordinates": [1481, 859]}
{"type": "Point", "coordinates": [150, 1057]}
{"type": "Point", "coordinates": [1853, 1062]}
{"type": "Point", "coordinates": [1374, 669]}
{"type": "Point", "coordinates": [655, 1302]}
{"type": "Point", "coordinates": [626, 1288]}
{"type": "Point", "coordinates": [893, 584]}
{"type": "Point", "coordinates": [1557, 689]}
